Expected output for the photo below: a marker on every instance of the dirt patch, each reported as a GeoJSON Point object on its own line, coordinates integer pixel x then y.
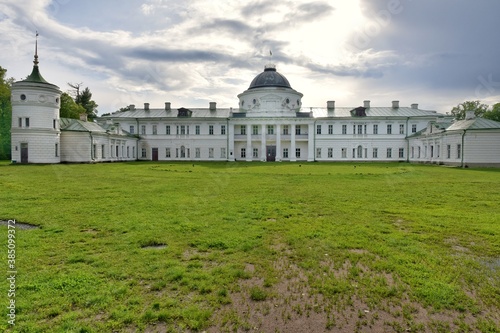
{"type": "Point", "coordinates": [19, 225]}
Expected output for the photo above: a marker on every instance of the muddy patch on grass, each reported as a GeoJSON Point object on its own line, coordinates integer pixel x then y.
{"type": "Point", "coordinates": [19, 225]}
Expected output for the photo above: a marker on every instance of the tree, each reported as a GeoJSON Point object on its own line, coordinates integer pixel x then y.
{"type": "Point", "coordinates": [459, 111]}
{"type": "Point", "coordinates": [85, 99]}
{"type": "Point", "coordinates": [5, 115]}
{"type": "Point", "coordinates": [69, 109]}
{"type": "Point", "coordinates": [494, 113]}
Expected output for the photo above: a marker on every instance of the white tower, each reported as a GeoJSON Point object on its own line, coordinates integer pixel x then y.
{"type": "Point", "coordinates": [35, 129]}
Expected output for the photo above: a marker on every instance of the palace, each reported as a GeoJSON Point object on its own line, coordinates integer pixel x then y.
{"type": "Point", "coordinates": [269, 124]}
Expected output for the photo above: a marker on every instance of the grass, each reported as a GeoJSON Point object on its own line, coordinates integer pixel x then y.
{"type": "Point", "coordinates": [133, 245]}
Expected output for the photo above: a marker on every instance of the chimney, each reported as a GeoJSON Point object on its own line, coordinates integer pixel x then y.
{"type": "Point", "coordinates": [167, 106]}
{"type": "Point", "coordinates": [213, 106]}
{"type": "Point", "coordinates": [469, 115]}
{"type": "Point", "coordinates": [414, 106]}
{"type": "Point", "coordinates": [83, 116]}
{"type": "Point", "coordinates": [366, 104]}
{"type": "Point", "coordinates": [395, 104]}
{"type": "Point", "coordinates": [330, 105]}
{"type": "Point", "coordinates": [146, 106]}
{"type": "Point", "coordinates": [131, 107]}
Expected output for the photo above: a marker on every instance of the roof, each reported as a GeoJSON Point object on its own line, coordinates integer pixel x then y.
{"type": "Point", "coordinates": [318, 112]}
{"type": "Point", "coordinates": [162, 113]}
{"type": "Point", "coordinates": [474, 124]}
{"type": "Point", "coordinates": [76, 125]}
{"type": "Point", "coordinates": [269, 78]}
{"type": "Point", "coordinates": [371, 112]}
{"type": "Point", "coordinates": [36, 77]}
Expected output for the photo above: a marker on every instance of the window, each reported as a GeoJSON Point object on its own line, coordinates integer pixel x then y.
{"type": "Point", "coordinates": [128, 152]}
{"type": "Point", "coordinates": [330, 129]}
{"type": "Point", "coordinates": [375, 153]}
{"type": "Point", "coordinates": [285, 152]}
{"type": "Point", "coordinates": [330, 152]}
{"type": "Point", "coordinates": [353, 152]}
{"type": "Point", "coordinates": [167, 152]}
{"type": "Point", "coordinates": [187, 129]}
{"type": "Point", "coordinates": [223, 129]}
{"type": "Point", "coordinates": [177, 132]}
{"type": "Point", "coordinates": [344, 129]}
{"type": "Point", "coordinates": [353, 129]}
{"type": "Point", "coordinates": [432, 151]}
{"type": "Point", "coordinates": [27, 122]}
{"type": "Point", "coordinates": [297, 152]}
{"type": "Point", "coordinates": [57, 150]}
{"type": "Point", "coordinates": [183, 152]}
{"type": "Point", "coordinates": [133, 152]}
{"type": "Point", "coordinates": [318, 152]}
{"type": "Point", "coordinates": [143, 153]}
{"type": "Point", "coordinates": [401, 129]}
{"type": "Point", "coordinates": [389, 129]}
{"type": "Point", "coordinates": [20, 122]}
{"type": "Point", "coordinates": [414, 128]}
{"type": "Point", "coordinates": [197, 152]}
{"type": "Point", "coordinates": [210, 153]}
{"type": "Point", "coordinates": [155, 129]}
{"type": "Point", "coordinates": [188, 152]}
{"type": "Point", "coordinates": [197, 129]}
{"type": "Point", "coordinates": [375, 129]}
{"type": "Point", "coordinates": [54, 123]}
{"type": "Point", "coordinates": [297, 130]}
{"type": "Point", "coordinates": [270, 129]}
{"type": "Point", "coordinates": [183, 130]}
{"type": "Point", "coordinates": [211, 129]}
{"type": "Point", "coordinates": [459, 150]}
{"type": "Point", "coordinates": [360, 129]}
{"type": "Point", "coordinates": [401, 152]}
{"type": "Point", "coordinates": [255, 153]}
{"type": "Point", "coordinates": [167, 130]}
{"type": "Point", "coordinates": [223, 153]}
{"type": "Point", "coordinates": [344, 151]}
{"type": "Point", "coordinates": [102, 151]}
{"type": "Point", "coordinates": [419, 151]}
{"type": "Point", "coordinates": [255, 129]}
{"type": "Point", "coordinates": [143, 129]}
{"type": "Point", "coordinates": [389, 152]}
{"type": "Point", "coordinates": [285, 129]}
{"type": "Point", "coordinates": [243, 130]}
{"type": "Point", "coordinates": [318, 129]}
{"type": "Point", "coordinates": [412, 152]}
{"type": "Point", "coordinates": [132, 129]}
{"type": "Point", "coordinates": [243, 153]}
{"type": "Point", "coordinates": [448, 151]}
{"type": "Point", "coordinates": [360, 152]}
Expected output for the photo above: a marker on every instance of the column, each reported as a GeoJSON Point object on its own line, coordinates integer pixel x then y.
{"type": "Point", "coordinates": [263, 151]}
{"type": "Point", "coordinates": [249, 144]}
{"type": "Point", "coordinates": [278, 142]}
{"type": "Point", "coordinates": [291, 153]}
{"type": "Point", "coordinates": [310, 143]}
{"type": "Point", "coordinates": [231, 152]}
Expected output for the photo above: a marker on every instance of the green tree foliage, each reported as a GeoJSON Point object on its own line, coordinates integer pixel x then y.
{"type": "Point", "coordinates": [5, 115]}
{"type": "Point", "coordinates": [459, 111]}
{"type": "Point", "coordinates": [494, 113]}
{"type": "Point", "coordinates": [69, 108]}
{"type": "Point", "coordinates": [85, 99]}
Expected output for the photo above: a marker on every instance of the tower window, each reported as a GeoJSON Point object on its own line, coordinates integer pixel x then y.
{"type": "Point", "coordinates": [23, 97]}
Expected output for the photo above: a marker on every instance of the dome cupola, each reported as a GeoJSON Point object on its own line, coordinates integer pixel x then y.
{"type": "Point", "coordinates": [269, 78]}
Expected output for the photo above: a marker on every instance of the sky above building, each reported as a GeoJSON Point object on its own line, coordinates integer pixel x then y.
{"type": "Point", "coordinates": [191, 52]}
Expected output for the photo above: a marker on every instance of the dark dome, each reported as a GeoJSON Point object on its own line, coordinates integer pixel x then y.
{"type": "Point", "coordinates": [269, 78]}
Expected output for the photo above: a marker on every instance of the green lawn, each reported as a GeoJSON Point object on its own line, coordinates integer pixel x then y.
{"type": "Point", "coordinates": [180, 247]}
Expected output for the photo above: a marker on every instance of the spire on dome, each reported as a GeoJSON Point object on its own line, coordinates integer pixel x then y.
{"type": "Point", "coordinates": [36, 50]}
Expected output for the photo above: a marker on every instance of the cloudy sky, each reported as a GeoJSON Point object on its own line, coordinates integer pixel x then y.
{"type": "Point", "coordinates": [437, 53]}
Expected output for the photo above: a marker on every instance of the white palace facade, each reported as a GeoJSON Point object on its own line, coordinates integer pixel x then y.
{"type": "Point", "coordinates": [269, 124]}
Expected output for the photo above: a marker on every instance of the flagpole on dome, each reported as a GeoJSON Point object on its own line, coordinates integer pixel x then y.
{"type": "Point", "coordinates": [270, 65]}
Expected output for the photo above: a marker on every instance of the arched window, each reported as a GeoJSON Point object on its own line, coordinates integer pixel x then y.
{"type": "Point", "coordinates": [183, 152]}
{"type": "Point", "coordinates": [360, 152]}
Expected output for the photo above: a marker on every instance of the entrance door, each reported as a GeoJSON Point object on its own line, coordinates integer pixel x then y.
{"type": "Point", "coordinates": [271, 153]}
{"type": "Point", "coordinates": [155, 154]}
{"type": "Point", "coordinates": [24, 153]}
